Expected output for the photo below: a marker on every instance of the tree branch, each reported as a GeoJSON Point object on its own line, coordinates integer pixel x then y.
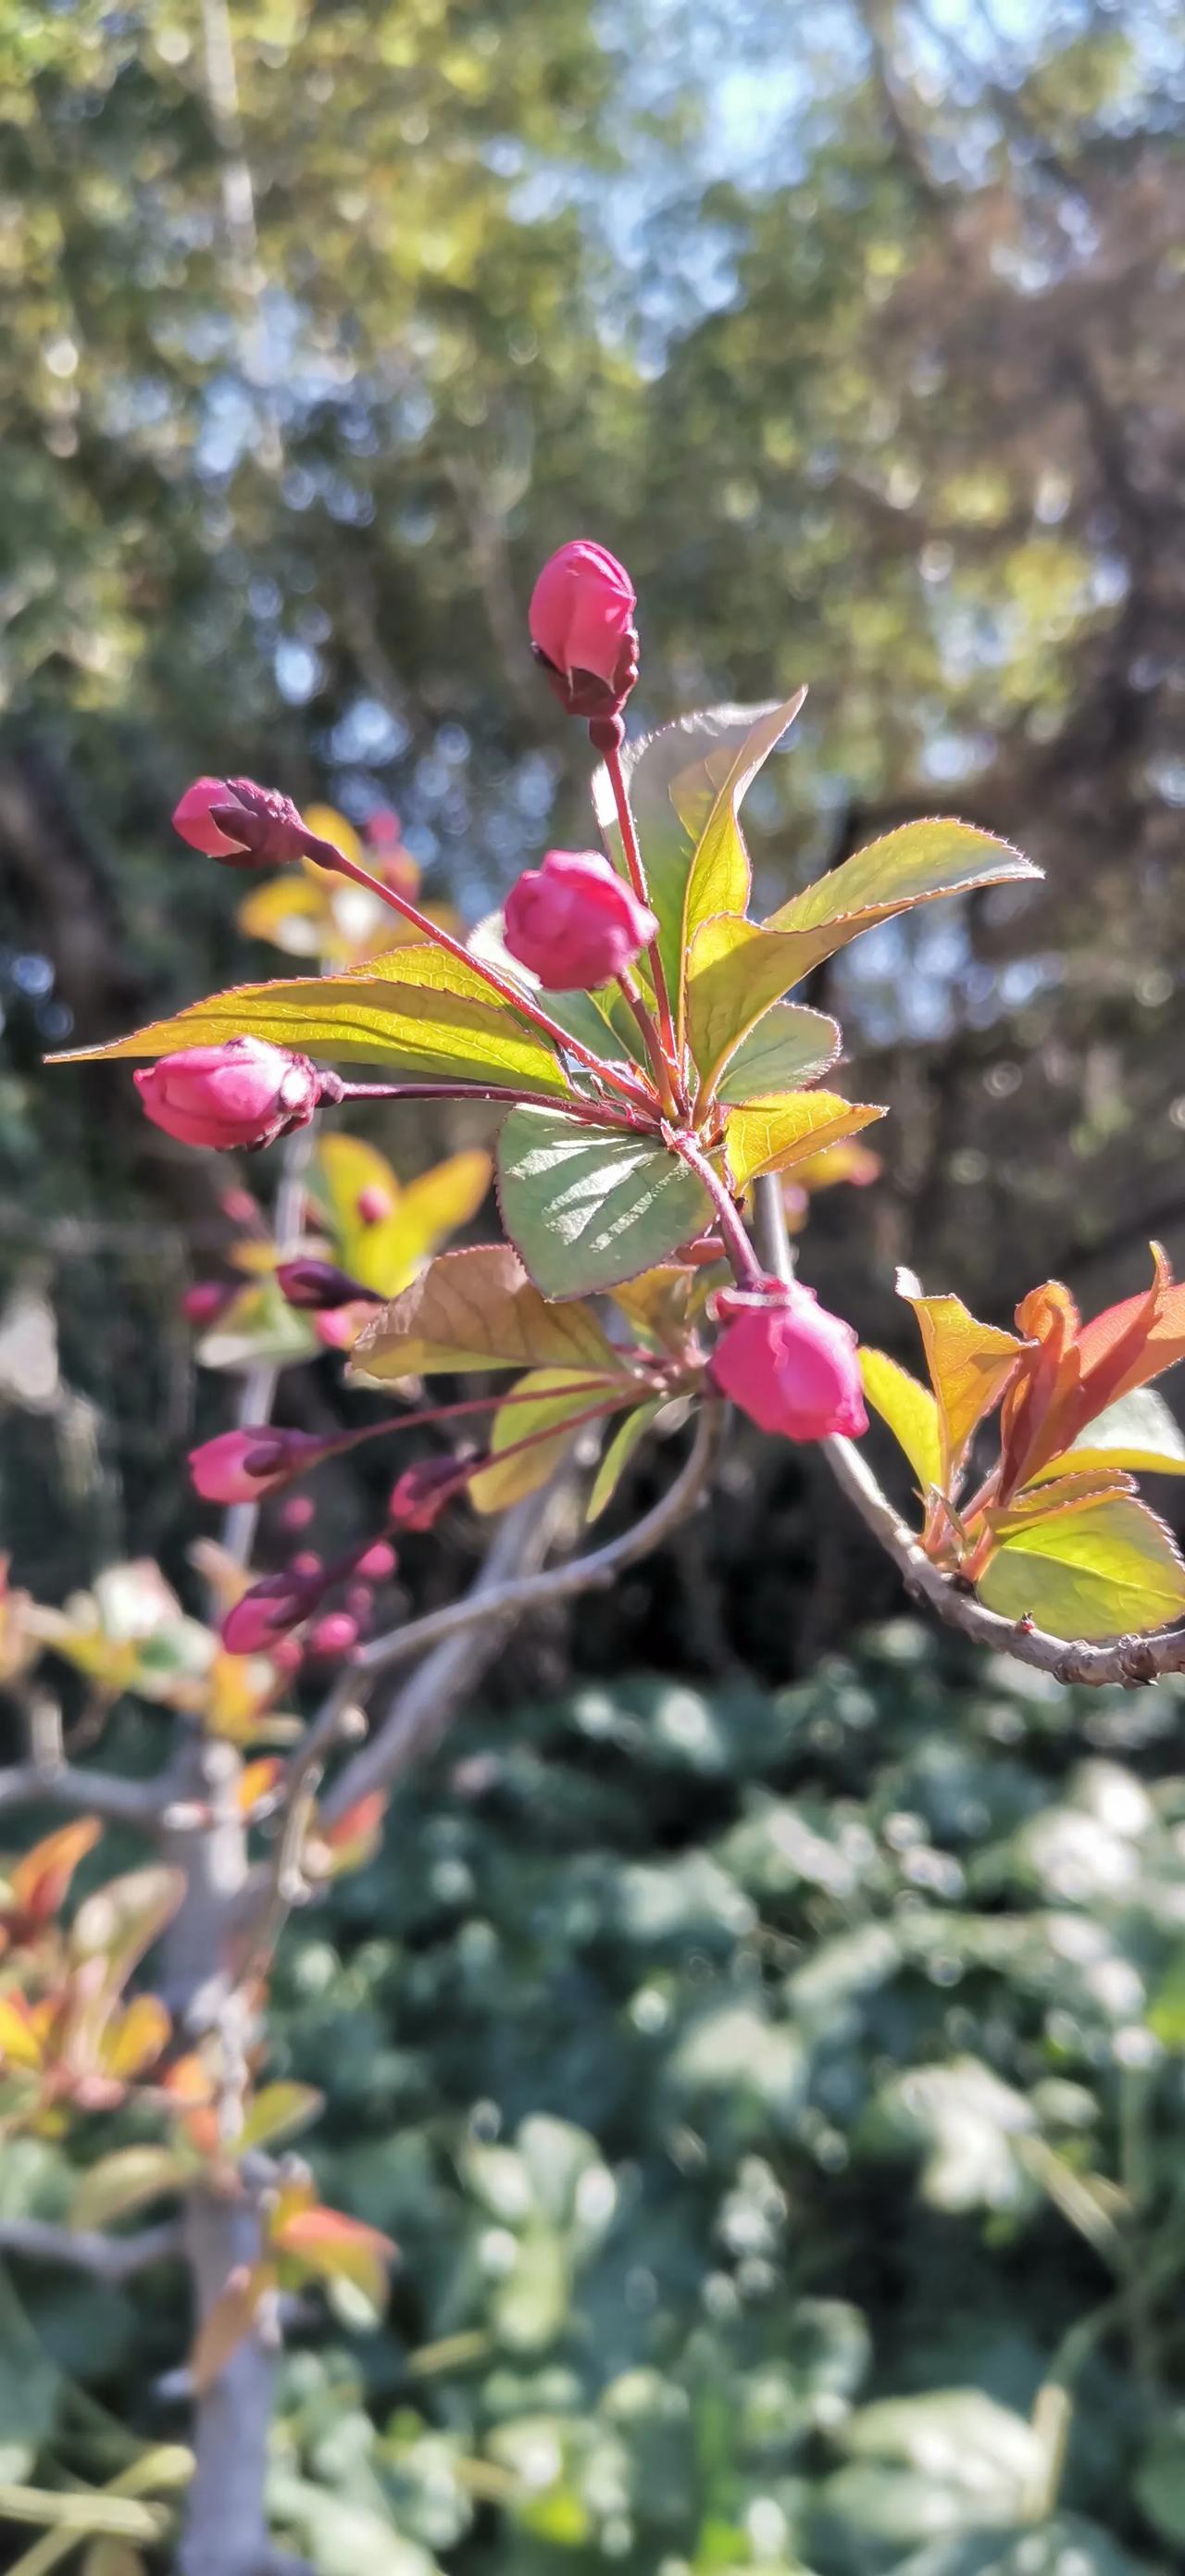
{"type": "Point", "coordinates": [423, 1710]}
{"type": "Point", "coordinates": [1125, 1660]}
{"type": "Point", "coordinates": [107, 2258]}
{"type": "Point", "coordinates": [93, 1793]}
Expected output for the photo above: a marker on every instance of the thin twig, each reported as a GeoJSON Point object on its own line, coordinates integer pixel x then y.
{"type": "Point", "coordinates": [493, 1601]}
{"type": "Point", "coordinates": [107, 2258]}
{"type": "Point", "coordinates": [340, 1721]}
{"type": "Point", "coordinates": [1125, 1660]}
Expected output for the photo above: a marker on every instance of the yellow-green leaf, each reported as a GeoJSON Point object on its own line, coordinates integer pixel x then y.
{"type": "Point", "coordinates": [618, 1455]}
{"type": "Point", "coordinates": [909, 1409]}
{"type": "Point", "coordinates": [719, 876]}
{"type": "Point", "coordinates": [969, 1365]}
{"type": "Point", "coordinates": [1107, 1570]}
{"type": "Point", "coordinates": [258, 1325]}
{"type": "Point", "coordinates": [228, 2322]}
{"type": "Point", "coordinates": [125, 2180]}
{"type": "Point", "coordinates": [1138, 1432]}
{"type": "Point", "coordinates": [773, 1135]}
{"type": "Point", "coordinates": [419, 1008]}
{"type": "Point", "coordinates": [937, 855]}
{"type": "Point", "coordinates": [559, 1396]}
{"type": "Point", "coordinates": [277, 2111]}
{"type": "Point", "coordinates": [477, 1309]}
{"type": "Point", "coordinates": [735, 972]}
{"type": "Point", "coordinates": [789, 1047]}
{"type": "Point", "coordinates": [677, 780]}
{"type": "Point", "coordinates": [386, 1253]}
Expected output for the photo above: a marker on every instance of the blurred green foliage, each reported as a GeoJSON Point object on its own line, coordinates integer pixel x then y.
{"type": "Point", "coordinates": [776, 2099]}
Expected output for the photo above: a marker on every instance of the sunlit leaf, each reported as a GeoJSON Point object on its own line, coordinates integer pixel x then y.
{"type": "Point", "coordinates": [587, 1206]}
{"type": "Point", "coordinates": [789, 1047]}
{"type": "Point", "coordinates": [1106, 1570]}
{"type": "Point", "coordinates": [776, 1134]}
{"type": "Point", "coordinates": [675, 778]}
{"type": "Point", "coordinates": [278, 2111]}
{"type": "Point", "coordinates": [419, 1009]}
{"type": "Point", "coordinates": [135, 2038]}
{"type": "Point", "coordinates": [333, 2247]}
{"type": "Point", "coordinates": [736, 972]}
{"type": "Point", "coordinates": [477, 1309]}
{"type": "Point", "coordinates": [122, 1920]}
{"type": "Point", "coordinates": [40, 1879]}
{"type": "Point", "coordinates": [626, 1439]}
{"type": "Point", "coordinates": [559, 1397]}
{"type": "Point", "coordinates": [912, 865]}
{"type": "Point", "coordinates": [227, 2323]}
{"type": "Point", "coordinates": [127, 2179]}
{"type": "Point", "coordinates": [658, 1303]}
{"type": "Point", "coordinates": [388, 1254]}
{"type": "Point", "coordinates": [910, 1410]}
{"type": "Point", "coordinates": [20, 2043]}
{"type": "Point", "coordinates": [969, 1364]}
{"type": "Point", "coordinates": [1138, 1432]}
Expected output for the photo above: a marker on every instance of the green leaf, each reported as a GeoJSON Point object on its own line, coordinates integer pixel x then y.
{"type": "Point", "coordinates": [1138, 1432]}
{"type": "Point", "coordinates": [685, 786]}
{"type": "Point", "coordinates": [775, 1134]}
{"type": "Point", "coordinates": [126, 2180]}
{"type": "Point", "coordinates": [417, 1008]}
{"type": "Point", "coordinates": [122, 1920]}
{"type": "Point", "coordinates": [789, 1047]}
{"type": "Point", "coordinates": [909, 866]}
{"type": "Point", "coordinates": [969, 1364]}
{"type": "Point", "coordinates": [1106, 1570]}
{"type": "Point", "coordinates": [735, 972]}
{"type": "Point", "coordinates": [617, 1456]}
{"type": "Point", "coordinates": [561, 1397]}
{"type": "Point", "coordinates": [258, 1325]}
{"type": "Point", "coordinates": [477, 1309]}
{"type": "Point", "coordinates": [276, 2112]}
{"type": "Point", "coordinates": [909, 1409]}
{"type": "Point", "coordinates": [588, 1207]}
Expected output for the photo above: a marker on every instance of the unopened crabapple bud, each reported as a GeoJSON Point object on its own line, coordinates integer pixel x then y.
{"type": "Point", "coordinates": [240, 823]}
{"type": "Point", "coordinates": [243, 1093]}
{"type": "Point", "coordinates": [582, 628]}
{"type": "Point", "coordinates": [574, 922]}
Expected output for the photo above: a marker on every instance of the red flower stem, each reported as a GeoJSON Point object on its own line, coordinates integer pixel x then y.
{"type": "Point", "coordinates": [637, 877]}
{"type": "Point", "coordinates": [325, 854]}
{"type": "Point", "coordinates": [747, 1269]}
{"type": "Point", "coordinates": [551, 1430]}
{"type": "Point", "coordinates": [434, 1414]}
{"type": "Point", "coordinates": [594, 1113]}
{"type": "Point", "coordinates": [651, 1041]}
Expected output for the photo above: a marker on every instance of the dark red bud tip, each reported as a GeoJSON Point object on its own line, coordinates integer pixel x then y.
{"type": "Point", "coordinates": [240, 823]}
{"type": "Point", "coordinates": [423, 1492]}
{"type": "Point", "coordinates": [268, 1611]}
{"type": "Point", "coordinates": [606, 734]}
{"type": "Point", "coordinates": [319, 1287]}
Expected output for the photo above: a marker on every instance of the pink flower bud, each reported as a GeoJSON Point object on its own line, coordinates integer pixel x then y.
{"type": "Point", "coordinates": [333, 1635]}
{"type": "Point", "coordinates": [791, 1366]}
{"type": "Point", "coordinates": [424, 1491]}
{"type": "Point", "coordinates": [305, 1564]}
{"type": "Point", "coordinates": [377, 1563]}
{"type": "Point", "coordinates": [207, 1299]}
{"type": "Point", "coordinates": [272, 1606]}
{"type": "Point", "coordinates": [374, 1204]}
{"type": "Point", "coordinates": [320, 1287]}
{"type": "Point", "coordinates": [582, 628]}
{"type": "Point", "coordinates": [382, 830]}
{"type": "Point", "coordinates": [360, 1603]}
{"type": "Point", "coordinates": [338, 1329]}
{"type": "Point", "coordinates": [243, 1466]}
{"type": "Point", "coordinates": [244, 1092]}
{"type": "Point", "coordinates": [243, 825]}
{"type": "Point", "coordinates": [574, 922]}
{"type": "Point", "coordinates": [297, 1512]}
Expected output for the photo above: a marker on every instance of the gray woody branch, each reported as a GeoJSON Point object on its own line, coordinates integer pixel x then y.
{"type": "Point", "coordinates": [1124, 1660]}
